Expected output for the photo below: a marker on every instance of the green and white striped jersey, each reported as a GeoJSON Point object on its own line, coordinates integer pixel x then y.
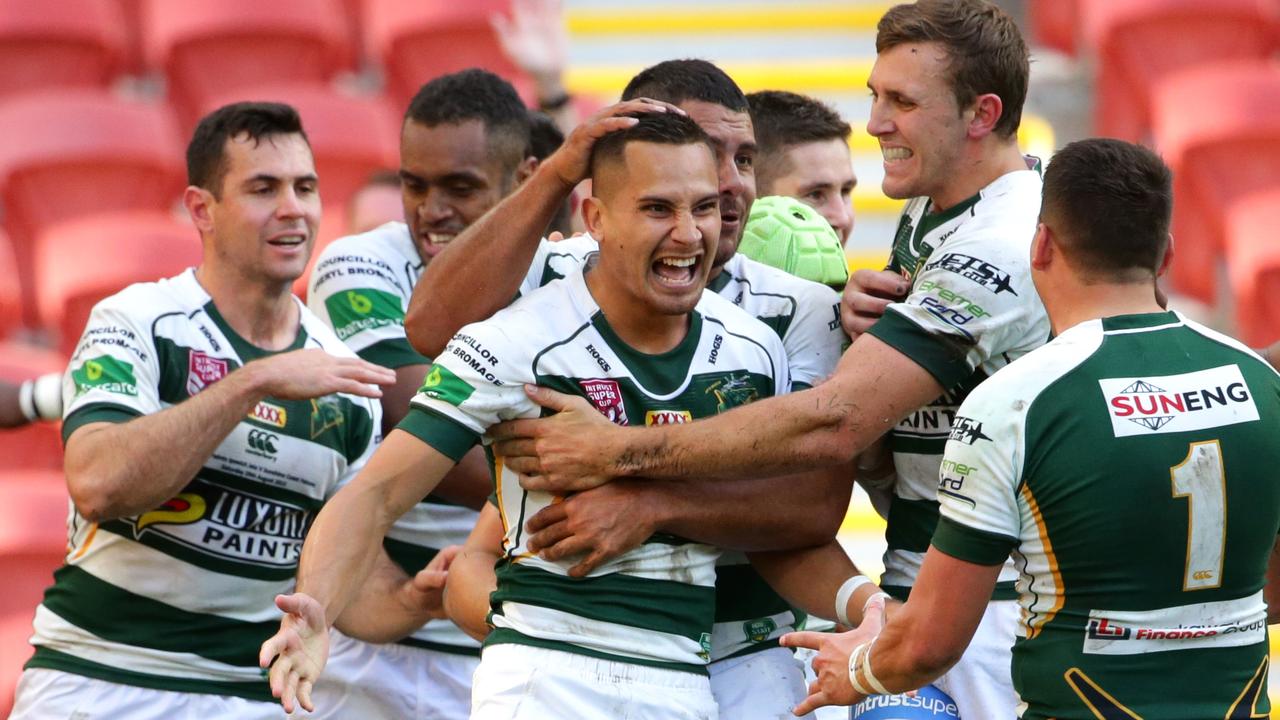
{"type": "Point", "coordinates": [653, 605]}
{"type": "Point", "coordinates": [971, 310]}
{"type": "Point", "coordinates": [181, 597]}
{"type": "Point", "coordinates": [361, 286]}
{"type": "Point", "coordinates": [805, 315]}
{"type": "Point", "coordinates": [1130, 467]}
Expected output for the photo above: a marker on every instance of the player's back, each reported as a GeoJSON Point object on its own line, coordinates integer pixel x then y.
{"type": "Point", "coordinates": [1150, 506]}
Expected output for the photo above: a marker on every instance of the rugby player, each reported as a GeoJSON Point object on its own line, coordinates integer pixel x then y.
{"type": "Point", "coordinates": [208, 416]}
{"type": "Point", "coordinates": [1129, 463]}
{"type": "Point", "coordinates": [638, 336]}
{"type": "Point", "coordinates": [948, 86]}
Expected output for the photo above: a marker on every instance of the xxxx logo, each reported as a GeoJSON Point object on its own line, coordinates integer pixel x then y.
{"type": "Point", "coordinates": [667, 417]}
{"type": "Point", "coordinates": [184, 509]}
{"type": "Point", "coordinates": [270, 414]}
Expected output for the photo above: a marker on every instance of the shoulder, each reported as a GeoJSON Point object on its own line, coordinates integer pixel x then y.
{"type": "Point", "coordinates": [143, 303]}
{"type": "Point", "coordinates": [1022, 381]}
{"type": "Point", "coordinates": [389, 241]}
{"type": "Point", "coordinates": [734, 319]}
{"type": "Point", "coordinates": [320, 332]}
{"type": "Point", "coordinates": [768, 279]}
{"type": "Point", "coordinates": [376, 256]}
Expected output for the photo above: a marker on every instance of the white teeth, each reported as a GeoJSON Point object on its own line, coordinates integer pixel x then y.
{"type": "Point", "coordinates": [440, 238]}
{"type": "Point", "coordinates": [895, 153]}
{"type": "Point", "coordinates": [679, 262]}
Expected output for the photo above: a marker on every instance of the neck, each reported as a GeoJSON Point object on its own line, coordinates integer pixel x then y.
{"type": "Point", "coordinates": [637, 324]}
{"type": "Point", "coordinates": [1082, 303]}
{"type": "Point", "coordinates": [992, 162]}
{"type": "Point", "coordinates": [266, 316]}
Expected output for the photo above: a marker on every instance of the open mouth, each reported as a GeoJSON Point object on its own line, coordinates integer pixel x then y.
{"type": "Point", "coordinates": [439, 238]}
{"type": "Point", "coordinates": [287, 241]}
{"type": "Point", "coordinates": [677, 272]}
{"type": "Point", "coordinates": [895, 154]}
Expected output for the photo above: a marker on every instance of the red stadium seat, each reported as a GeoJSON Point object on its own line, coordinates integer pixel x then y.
{"type": "Point", "coordinates": [418, 40]}
{"type": "Point", "coordinates": [11, 291]}
{"type": "Point", "coordinates": [1055, 23]}
{"type": "Point", "coordinates": [81, 261]}
{"type": "Point", "coordinates": [72, 153]}
{"type": "Point", "coordinates": [351, 137]}
{"type": "Point", "coordinates": [208, 48]}
{"type": "Point", "coordinates": [39, 445]}
{"type": "Point", "coordinates": [1253, 265]}
{"type": "Point", "coordinates": [59, 43]}
{"type": "Point", "coordinates": [1218, 127]}
{"type": "Point", "coordinates": [33, 543]}
{"type": "Point", "coordinates": [1138, 42]}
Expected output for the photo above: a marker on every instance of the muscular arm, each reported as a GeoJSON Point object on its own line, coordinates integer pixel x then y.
{"type": "Point", "coordinates": [810, 578]}
{"type": "Point", "coordinates": [119, 469]}
{"type": "Point", "coordinates": [472, 579]}
{"type": "Point", "coordinates": [391, 605]}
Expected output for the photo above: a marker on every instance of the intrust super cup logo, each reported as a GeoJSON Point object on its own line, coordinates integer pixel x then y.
{"type": "Point", "coordinates": [606, 395]}
{"type": "Point", "coordinates": [1176, 403]}
{"type": "Point", "coordinates": [204, 371]}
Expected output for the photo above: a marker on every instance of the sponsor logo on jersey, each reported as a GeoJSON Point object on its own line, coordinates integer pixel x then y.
{"type": "Point", "coordinates": [475, 355]}
{"type": "Point", "coordinates": [667, 417]}
{"type": "Point", "coordinates": [704, 642]}
{"type": "Point", "coordinates": [716, 344]}
{"type": "Point", "coordinates": [759, 630]}
{"type": "Point", "coordinates": [229, 524]}
{"type": "Point", "coordinates": [326, 414]}
{"type": "Point", "coordinates": [355, 311]}
{"type": "Point", "coordinates": [1225, 623]}
{"type": "Point", "coordinates": [733, 391]}
{"type": "Point", "coordinates": [606, 395]}
{"type": "Point", "coordinates": [441, 384]}
{"type": "Point", "coordinates": [979, 271]}
{"type": "Point", "coordinates": [928, 702]}
{"type": "Point", "coordinates": [834, 324]}
{"type": "Point", "coordinates": [967, 430]}
{"type": "Point", "coordinates": [1177, 403]}
{"type": "Point", "coordinates": [947, 303]}
{"type": "Point", "coordinates": [262, 444]}
{"type": "Point", "coordinates": [595, 354]}
{"type": "Point", "coordinates": [204, 371]}
{"type": "Point", "coordinates": [105, 373]}
{"type": "Point", "coordinates": [951, 477]}
{"type": "Point", "coordinates": [270, 413]}
{"type": "Point", "coordinates": [114, 336]}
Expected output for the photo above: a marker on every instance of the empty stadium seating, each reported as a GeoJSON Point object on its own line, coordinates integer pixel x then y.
{"type": "Point", "coordinates": [33, 543]}
{"type": "Point", "coordinates": [79, 262]}
{"type": "Point", "coordinates": [1055, 23]}
{"type": "Point", "coordinates": [1253, 265]}
{"type": "Point", "coordinates": [36, 446]}
{"type": "Point", "coordinates": [417, 41]}
{"type": "Point", "coordinates": [1138, 42]}
{"type": "Point", "coordinates": [59, 43]}
{"type": "Point", "coordinates": [1218, 127]}
{"type": "Point", "coordinates": [208, 48]}
{"type": "Point", "coordinates": [352, 137]}
{"type": "Point", "coordinates": [10, 289]}
{"type": "Point", "coordinates": [73, 153]}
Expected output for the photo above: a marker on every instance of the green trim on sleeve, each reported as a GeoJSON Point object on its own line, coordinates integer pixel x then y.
{"type": "Point", "coordinates": [451, 438]}
{"type": "Point", "coordinates": [971, 545]}
{"type": "Point", "coordinates": [393, 353]}
{"type": "Point", "coordinates": [797, 386]}
{"type": "Point", "coordinates": [945, 357]}
{"type": "Point", "coordinates": [96, 412]}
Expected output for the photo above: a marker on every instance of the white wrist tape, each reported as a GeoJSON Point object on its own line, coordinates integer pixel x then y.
{"type": "Point", "coordinates": [47, 396]}
{"type": "Point", "coordinates": [855, 661]}
{"type": "Point", "coordinates": [875, 684]}
{"type": "Point", "coordinates": [844, 593]}
{"type": "Point", "coordinates": [26, 400]}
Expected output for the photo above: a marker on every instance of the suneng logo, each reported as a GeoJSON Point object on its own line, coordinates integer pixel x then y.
{"type": "Point", "coordinates": [270, 414]}
{"type": "Point", "coordinates": [667, 417]}
{"type": "Point", "coordinates": [1177, 403]}
{"type": "Point", "coordinates": [230, 524]}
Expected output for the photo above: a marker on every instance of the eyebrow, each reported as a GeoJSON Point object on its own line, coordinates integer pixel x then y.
{"type": "Point", "coordinates": [465, 176]}
{"type": "Point", "coordinates": [273, 179]}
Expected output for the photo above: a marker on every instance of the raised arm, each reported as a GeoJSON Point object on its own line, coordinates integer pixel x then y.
{"type": "Point", "coordinates": [479, 273]}
{"type": "Point", "coordinates": [874, 386]}
{"type": "Point", "coordinates": [117, 469]}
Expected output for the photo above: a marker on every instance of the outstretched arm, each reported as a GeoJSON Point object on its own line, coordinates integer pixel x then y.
{"type": "Point", "coordinates": [478, 273]}
{"type": "Point", "coordinates": [874, 386]}
{"type": "Point", "coordinates": [391, 605]}
{"type": "Point", "coordinates": [813, 579]}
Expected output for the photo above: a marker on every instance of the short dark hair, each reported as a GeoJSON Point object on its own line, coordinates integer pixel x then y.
{"type": "Point", "coordinates": [1108, 203]}
{"type": "Point", "coordinates": [476, 94]}
{"type": "Point", "coordinates": [206, 153]}
{"type": "Point", "coordinates": [661, 128]}
{"type": "Point", "coordinates": [545, 136]}
{"type": "Point", "coordinates": [782, 119]}
{"type": "Point", "coordinates": [985, 50]}
{"type": "Point", "coordinates": [676, 81]}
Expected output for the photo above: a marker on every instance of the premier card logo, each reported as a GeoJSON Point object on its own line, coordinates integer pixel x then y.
{"type": "Point", "coordinates": [1177, 403]}
{"type": "Point", "coordinates": [204, 371]}
{"type": "Point", "coordinates": [606, 395]}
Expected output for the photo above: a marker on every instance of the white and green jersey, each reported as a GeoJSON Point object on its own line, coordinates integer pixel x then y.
{"type": "Point", "coordinates": [361, 286]}
{"type": "Point", "coordinates": [181, 597]}
{"type": "Point", "coordinates": [971, 310]}
{"type": "Point", "coordinates": [653, 605]}
{"type": "Point", "coordinates": [1130, 468]}
{"type": "Point", "coordinates": [805, 315]}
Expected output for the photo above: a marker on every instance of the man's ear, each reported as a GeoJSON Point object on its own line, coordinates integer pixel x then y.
{"type": "Point", "coordinates": [199, 204]}
{"type": "Point", "coordinates": [526, 168]}
{"type": "Point", "coordinates": [1167, 261]}
{"type": "Point", "coordinates": [987, 111]}
{"type": "Point", "coordinates": [593, 217]}
{"type": "Point", "coordinates": [1043, 250]}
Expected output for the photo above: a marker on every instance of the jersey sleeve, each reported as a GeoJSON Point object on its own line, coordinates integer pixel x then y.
{"type": "Point", "coordinates": [968, 302]}
{"type": "Point", "coordinates": [476, 382]}
{"type": "Point", "coordinates": [979, 479]}
{"type": "Point", "coordinates": [815, 339]}
{"type": "Point", "coordinates": [364, 434]}
{"type": "Point", "coordinates": [359, 296]}
{"type": "Point", "coordinates": [556, 260]}
{"type": "Point", "coordinates": [114, 374]}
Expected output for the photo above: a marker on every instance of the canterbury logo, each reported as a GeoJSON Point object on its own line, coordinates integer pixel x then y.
{"type": "Point", "coordinates": [262, 441]}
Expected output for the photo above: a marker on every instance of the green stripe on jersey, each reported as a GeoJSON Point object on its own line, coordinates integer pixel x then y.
{"type": "Point", "coordinates": [96, 412]}
{"type": "Point", "coordinates": [971, 545]}
{"type": "Point", "coordinates": [943, 355]}
{"type": "Point", "coordinates": [741, 594]}
{"type": "Point", "coordinates": [47, 659]}
{"type": "Point", "coordinates": [119, 616]}
{"type": "Point", "coordinates": [446, 435]}
{"type": "Point", "coordinates": [665, 606]}
{"type": "Point", "coordinates": [911, 524]}
{"type": "Point", "coordinates": [507, 636]}
{"type": "Point", "coordinates": [411, 558]}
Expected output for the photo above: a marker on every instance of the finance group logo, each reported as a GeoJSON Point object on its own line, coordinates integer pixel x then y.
{"type": "Point", "coordinates": [1177, 403]}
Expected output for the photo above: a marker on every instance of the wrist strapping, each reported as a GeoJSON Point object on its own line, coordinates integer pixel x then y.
{"type": "Point", "coordinates": [844, 593]}
{"type": "Point", "coordinates": [26, 400]}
